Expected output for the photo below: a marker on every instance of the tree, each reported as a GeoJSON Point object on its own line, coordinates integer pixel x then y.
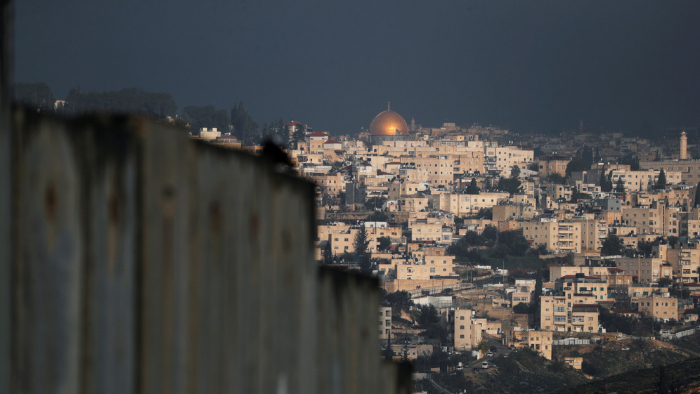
{"type": "Point", "coordinates": [473, 188]}
{"type": "Point", "coordinates": [574, 195]}
{"type": "Point", "coordinates": [515, 172]}
{"type": "Point", "coordinates": [375, 202]}
{"type": "Point", "coordinates": [645, 247]}
{"type": "Point", "coordinates": [556, 178]}
{"type": "Point", "coordinates": [664, 385]}
{"type": "Point", "coordinates": [148, 104]}
{"type": "Point", "coordinates": [484, 346]}
{"type": "Point", "coordinates": [384, 243]}
{"type": "Point", "coordinates": [606, 184]}
{"type": "Point", "coordinates": [377, 216]}
{"type": "Point", "coordinates": [299, 133]}
{"type": "Point", "coordinates": [512, 243]}
{"type": "Point", "coordinates": [243, 125]}
{"type": "Point", "coordinates": [632, 161]}
{"type": "Point", "coordinates": [541, 249]}
{"type": "Point", "coordinates": [575, 165]}
{"type": "Point", "coordinates": [521, 308]}
{"type": "Point", "coordinates": [327, 253]}
{"type": "Point", "coordinates": [590, 368]}
{"type": "Point", "coordinates": [620, 185]}
{"type": "Point", "coordinates": [428, 315]}
{"type": "Point", "coordinates": [361, 241]}
{"type": "Point", "coordinates": [490, 233]}
{"type": "Point", "coordinates": [661, 181]}
{"type": "Point", "coordinates": [535, 301]}
{"type": "Point", "coordinates": [511, 185]}
{"type": "Point", "coordinates": [209, 117]}
{"type": "Point", "coordinates": [36, 95]}
{"type": "Point", "coordinates": [672, 241]}
{"type": "Point", "coordinates": [612, 246]}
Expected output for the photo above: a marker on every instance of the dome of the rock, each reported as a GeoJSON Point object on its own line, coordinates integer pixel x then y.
{"type": "Point", "coordinates": [388, 123]}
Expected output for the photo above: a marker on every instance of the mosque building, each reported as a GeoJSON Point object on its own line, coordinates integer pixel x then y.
{"type": "Point", "coordinates": [388, 126]}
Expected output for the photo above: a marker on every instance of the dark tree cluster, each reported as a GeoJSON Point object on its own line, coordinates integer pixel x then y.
{"type": "Point", "coordinates": [612, 246]}
{"type": "Point", "coordinates": [614, 322]}
{"type": "Point", "coordinates": [132, 100]}
{"type": "Point", "coordinates": [208, 116]}
{"type": "Point", "coordinates": [155, 106]}
{"type": "Point", "coordinates": [606, 184]}
{"type": "Point", "coordinates": [473, 188]}
{"type": "Point", "coordinates": [511, 185]}
{"type": "Point", "coordinates": [244, 127]}
{"type": "Point", "coordinates": [575, 165]}
{"type": "Point", "coordinates": [506, 243]}
{"type": "Point", "coordinates": [276, 131]}
{"type": "Point", "coordinates": [36, 95]}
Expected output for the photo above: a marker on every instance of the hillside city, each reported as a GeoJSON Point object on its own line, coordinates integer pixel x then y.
{"type": "Point", "coordinates": [507, 262]}
{"type": "Point", "coordinates": [487, 242]}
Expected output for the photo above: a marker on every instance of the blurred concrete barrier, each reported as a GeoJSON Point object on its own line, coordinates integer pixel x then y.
{"type": "Point", "coordinates": [145, 262]}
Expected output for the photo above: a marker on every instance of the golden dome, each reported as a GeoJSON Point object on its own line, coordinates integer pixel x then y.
{"type": "Point", "coordinates": [388, 123]}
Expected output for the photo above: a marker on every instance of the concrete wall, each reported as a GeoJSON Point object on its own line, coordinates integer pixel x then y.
{"type": "Point", "coordinates": [149, 263]}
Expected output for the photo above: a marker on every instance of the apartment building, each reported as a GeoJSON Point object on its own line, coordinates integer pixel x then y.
{"type": "Point", "coordinates": [590, 286]}
{"type": "Point", "coordinates": [559, 271]}
{"type": "Point", "coordinates": [505, 157]}
{"type": "Point", "coordinates": [476, 225]}
{"type": "Point", "coordinates": [433, 169]}
{"type": "Point", "coordinates": [342, 237]}
{"type": "Point", "coordinates": [689, 169]}
{"type": "Point", "coordinates": [539, 341]}
{"type": "Point", "coordinates": [330, 184]}
{"type": "Point", "coordinates": [593, 233]}
{"type": "Point", "coordinates": [660, 307]}
{"type": "Point", "coordinates": [642, 180]}
{"type": "Point", "coordinates": [570, 312]}
{"type": "Point", "coordinates": [511, 211]}
{"type": "Point", "coordinates": [560, 237]}
{"type": "Point", "coordinates": [467, 160]}
{"type": "Point", "coordinates": [467, 204]}
{"type": "Point", "coordinates": [397, 189]}
{"type": "Point", "coordinates": [646, 269]}
{"type": "Point", "coordinates": [431, 230]}
{"type": "Point", "coordinates": [414, 203]}
{"type": "Point", "coordinates": [646, 221]}
{"type": "Point", "coordinates": [423, 268]}
{"type": "Point", "coordinates": [685, 262]}
{"type": "Point", "coordinates": [384, 324]}
{"type": "Point", "coordinates": [552, 164]}
{"type": "Point", "coordinates": [466, 334]}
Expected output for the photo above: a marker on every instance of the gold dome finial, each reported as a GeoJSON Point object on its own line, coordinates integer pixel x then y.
{"type": "Point", "coordinates": [388, 105]}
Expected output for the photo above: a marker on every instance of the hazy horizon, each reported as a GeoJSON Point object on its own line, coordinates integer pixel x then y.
{"type": "Point", "coordinates": [530, 67]}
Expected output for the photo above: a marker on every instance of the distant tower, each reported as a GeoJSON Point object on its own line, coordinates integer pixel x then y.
{"type": "Point", "coordinates": [684, 146]}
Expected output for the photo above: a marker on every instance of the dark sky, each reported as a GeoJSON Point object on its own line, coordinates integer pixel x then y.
{"type": "Point", "coordinates": [527, 65]}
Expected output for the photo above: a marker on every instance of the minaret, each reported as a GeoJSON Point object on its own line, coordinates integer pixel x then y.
{"type": "Point", "coordinates": [684, 146]}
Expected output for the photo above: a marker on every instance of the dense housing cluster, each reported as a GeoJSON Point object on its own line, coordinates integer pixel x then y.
{"type": "Point", "coordinates": [480, 236]}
